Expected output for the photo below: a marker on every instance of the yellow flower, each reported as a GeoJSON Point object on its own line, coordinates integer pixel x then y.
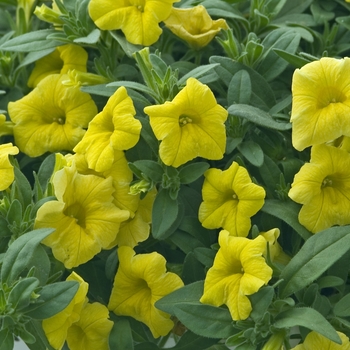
{"type": "Point", "coordinates": [60, 61]}
{"type": "Point", "coordinates": [229, 200]}
{"type": "Point", "coordinates": [137, 228]}
{"type": "Point", "coordinates": [315, 340]}
{"type": "Point", "coordinates": [276, 252]}
{"type": "Point", "coordinates": [91, 331]}
{"type": "Point", "coordinates": [239, 270]}
{"type": "Point", "coordinates": [6, 168]}
{"type": "Point", "coordinates": [323, 187]}
{"type": "Point", "coordinates": [194, 25]}
{"type": "Point", "coordinates": [140, 281]}
{"type": "Point", "coordinates": [51, 118]}
{"type": "Point", "coordinates": [115, 128]}
{"type": "Point", "coordinates": [191, 125]}
{"type": "Point", "coordinates": [321, 102]}
{"type": "Point", "coordinates": [138, 19]}
{"type": "Point", "coordinates": [84, 216]}
{"type": "Point", "coordinates": [56, 327]}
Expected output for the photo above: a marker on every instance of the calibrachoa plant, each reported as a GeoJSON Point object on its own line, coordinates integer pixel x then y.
{"type": "Point", "coordinates": [175, 174]}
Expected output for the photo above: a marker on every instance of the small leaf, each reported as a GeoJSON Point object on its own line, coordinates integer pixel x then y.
{"type": "Point", "coordinates": [6, 339]}
{"type": "Point", "coordinates": [342, 307]}
{"type": "Point", "coordinates": [20, 295]}
{"type": "Point", "coordinates": [257, 116]}
{"type": "Point", "coordinates": [252, 152]}
{"type": "Point", "coordinates": [192, 341]}
{"type": "Point", "coordinates": [309, 318]}
{"type": "Point", "coordinates": [164, 213]}
{"type": "Point", "coordinates": [120, 337]}
{"type": "Point", "coordinates": [205, 320]}
{"type": "Point", "coordinates": [32, 41]}
{"type": "Point", "coordinates": [192, 172]}
{"type": "Point", "coordinates": [240, 88]}
{"type": "Point", "coordinates": [196, 73]}
{"type": "Point", "coordinates": [91, 38]}
{"type": "Point", "coordinates": [261, 301]}
{"type": "Point", "coordinates": [151, 169]}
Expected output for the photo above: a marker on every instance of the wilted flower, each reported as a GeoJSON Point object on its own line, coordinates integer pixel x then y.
{"type": "Point", "coordinates": [51, 118]}
{"type": "Point", "coordinates": [115, 128]}
{"type": "Point", "coordinates": [141, 280]}
{"type": "Point", "coordinates": [84, 216]}
{"type": "Point", "coordinates": [91, 331]}
{"type": "Point", "coordinates": [315, 340]}
{"type": "Point", "coordinates": [239, 270]}
{"type": "Point", "coordinates": [6, 168]}
{"type": "Point", "coordinates": [323, 187]}
{"type": "Point", "coordinates": [139, 20]}
{"type": "Point", "coordinates": [321, 102]}
{"type": "Point", "coordinates": [56, 327]}
{"type": "Point", "coordinates": [190, 126]}
{"type": "Point", "coordinates": [194, 25]}
{"type": "Point", "coordinates": [229, 200]}
{"type": "Point", "coordinates": [275, 250]}
{"type": "Point", "coordinates": [60, 61]}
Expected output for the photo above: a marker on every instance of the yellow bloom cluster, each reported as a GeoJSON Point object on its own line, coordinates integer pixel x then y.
{"type": "Point", "coordinates": [320, 109]}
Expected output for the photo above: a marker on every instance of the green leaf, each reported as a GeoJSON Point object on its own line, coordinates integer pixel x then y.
{"type": "Point", "coordinates": [260, 302]}
{"type": "Point", "coordinates": [20, 295]}
{"type": "Point", "coordinates": [205, 320]}
{"type": "Point", "coordinates": [32, 41]}
{"type": "Point", "coordinates": [205, 255]}
{"type": "Point", "coordinates": [132, 85]}
{"type": "Point", "coordinates": [120, 337]}
{"type": "Point", "coordinates": [20, 253]}
{"type": "Point", "coordinates": [192, 341]}
{"type": "Point", "coordinates": [240, 88]}
{"type": "Point", "coordinates": [273, 65]}
{"type": "Point", "coordinates": [41, 342]}
{"type": "Point", "coordinates": [127, 47]}
{"type": "Point", "coordinates": [262, 94]}
{"type": "Point", "coordinates": [188, 294]}
{"type": "Point", "coordinates": [192, 172]}
{"type": "Point", "coordinates": [91, 38]}
{"type": "Point", "coordinates": [6, 339]}
{"type": "Point", "coordinates": [197, 73]}
{"type": "Point", "coordinates": [308, 318]}
{"type": "Point", "coordinates": [53, 299]}
{"type": "Point", "coordinates": [257, 116]}
{"type": "Point", "coordinates": [151, 169]}
{"type": "Point", "coordinates": [252, 152]}
{"type": "Point", "coordinates": [317, 254]}
{"type": "Point", "coordinates": [342, 307]}
{"type": "Point", "coordinates": [295, 60]}
{"type": "Point", "coordinates": [23, 188]}
{"type": "Point", "coordinates": [164, 213]}
{"type": "Point", "coordinates": [287, 211]}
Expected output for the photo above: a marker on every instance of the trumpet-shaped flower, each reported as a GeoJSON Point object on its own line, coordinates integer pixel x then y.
{"type": "Point", "coordinates": [323, 187]}
{"type": "Point", "coordinates": [56, 327]}
{"type": "Point", "coordinates": [194, 25]}
{"type": "Point", "coordinates": [137, 228]}
{"type": "Point", "coordinates": [91, 331]}
{"type": "Point", "coordinates": [229, 200]}
{"type": "Point", "coordinates": [191, 125]}
{"type": "Point", "coordinates": [239, 270]}
{"type": "Point", "coordinates": [60, 61]}
{"type": "Point", "coordinates": [315, 340]}
{"type": "Point", "coordinates": [138, 19]}
{"type": "Point", "coordinates": [115, 128]}
{"type": "Point", "coordinates": [140, 281]}
{"type": "Point", "coordinates": [84, 216]}
{"type": "Point", "coordinates": [321, 102]}
{"type": "Point", "coordinates": [51, 118]}
{"type": "Point", "coordinates": [6, 168]}
{"type": "Point", "coordinates": [6, 127]}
